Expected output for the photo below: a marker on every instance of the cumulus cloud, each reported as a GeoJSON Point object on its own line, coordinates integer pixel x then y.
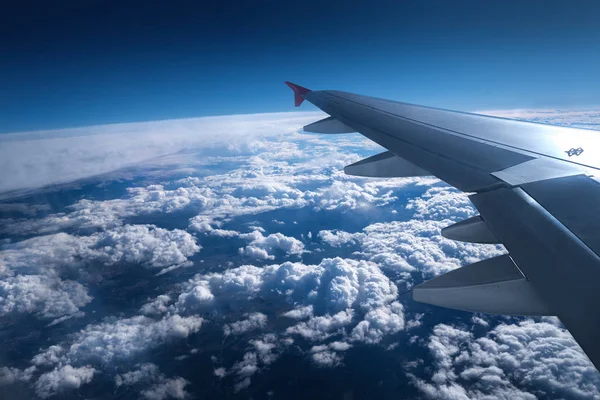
{"type": "Point", "coordinates": [160, 388]}
{"type": "Point", "coordinates": [87, 214]}
{"type": "Point", "coordinates": [513, 360]}
{"type": "Point", "coordinates": [414, 249]}
{"type": "Point", "coordinates": [347, 298]}
{"type": "Point", "coordinates": [338, 238]}
{"type": "Point", "coordinates": [146, 372]}
{"type": "Point", "coordinates": [9, 375]}
{"type": "Point", "coordinates": [253, 321]}
{"type": "Point", "coordinates": [325, 358]}
{"type": "Point", "coordinates": [441, 202]}
{"type": "Point", "coordinates": [62, 379]}
{"type": "Point", "coordinates": [300, 312]}
{"type": "Point", "coordinates": [337, 296]}
{"type": "Point", "coordinates": [339, 346]}
{"type": "Point", "coordinates": [261, 246]}
{"type": "Point", "coordinates": [34, 269]}
{"type": "Point", "coordinates": [41, 296]}
{"type": "Point", "coordinates": [158, 306]}
{"type": "Point", "coordinates": [148, 245]}
{"type": "Point", "coordinates": [322, 326]}
{"type": "Point", "coordinates": [411, 247]}
{"type": "Point", "coordinates": [262, 352]}
{"type": "Point", "coordinates": [170, 388]}
{"type": "Point", "coordinates": [99, 346]}
{"type": "Point", "coordinates": [378, 323]}
{"type": "Point", "coordinates": [119, 339]}
{"type": "Point", "coordinates": [144, 244]}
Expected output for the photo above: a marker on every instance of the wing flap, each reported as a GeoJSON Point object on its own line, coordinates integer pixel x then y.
{"type": "Point", "coordinates": [563, 269]}
{"type": "Point", "coordinates": [494, 286]}
{"type": "Point", "coordinates": [385, 165]}
{"type": "Point", "coordinates": [328, 125]}
{"type": "Point", "coordinates": [538, 169]}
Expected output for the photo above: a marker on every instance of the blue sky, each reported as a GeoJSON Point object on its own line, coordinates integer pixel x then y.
{"type": "Point", "coordinates": [82, 63]}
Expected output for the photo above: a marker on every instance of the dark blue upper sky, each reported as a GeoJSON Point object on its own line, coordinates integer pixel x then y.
{"type": "Point", "coordinates": [89, 62]}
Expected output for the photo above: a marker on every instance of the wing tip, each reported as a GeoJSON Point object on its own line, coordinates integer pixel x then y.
{"type": "Point", "coordinates": [299, 92]}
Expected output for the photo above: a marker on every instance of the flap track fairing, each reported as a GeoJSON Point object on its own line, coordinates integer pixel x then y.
{"type": "Point", "coordinates": [494, 286]}
{"type": "Point", "coordinates": [472, 230]}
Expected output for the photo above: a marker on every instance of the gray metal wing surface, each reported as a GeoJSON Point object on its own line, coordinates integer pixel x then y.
{"type": "Point", "coordinates": [533, 185]}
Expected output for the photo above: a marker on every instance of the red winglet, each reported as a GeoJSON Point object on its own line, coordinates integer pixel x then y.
{"type": "Point", "coordinates": [299, 92]}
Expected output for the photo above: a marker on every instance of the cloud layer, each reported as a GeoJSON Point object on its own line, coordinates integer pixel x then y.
{"type": "Point", "coordinates": [34, 271]}
{"type": "Point", "coordinates": [513, 360]}
{"type": "Point", "coordinates": [279, 288]}
{"type": "Point", "coordinates": [34, 159]}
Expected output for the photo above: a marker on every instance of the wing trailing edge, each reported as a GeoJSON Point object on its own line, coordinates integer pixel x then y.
{"type": "Point", "coordinates": [385, 165]}
{"type": "Point", "coordinates": [494, 286]}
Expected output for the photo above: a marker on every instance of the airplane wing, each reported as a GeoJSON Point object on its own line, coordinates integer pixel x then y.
{"type": "Point", "coordinates": [532, 184]}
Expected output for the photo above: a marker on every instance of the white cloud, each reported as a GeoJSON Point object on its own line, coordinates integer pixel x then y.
{"type": "Point", "coordinates": [261, 246]}
{"type": "Point", "coordinates": [146, 372]}
{"type": "Point", "coordinates": [247, 367]}
{"type": "Point", "coordinates": [120, 339]}
{"type": "Point", "coordinates": [35, 159]}
{"type": "Point", "coordinates": [158, 306]}
{"type": "Point", "coordinates": [88, 214]}
{"type": "Point", "coordinates": [416, 322]}
{"type": "Point", "coordinates": [513, 360]}
{"type": "Point", "coordinates": [338, 238]}
{"type": "Point", "coordinates": [220, 372]}
{"type": "Point", "coordinates": [42, 296]}
{"type": "Point", "coordinates": [584, 118]}
{"type": "Point", "coordinates": [300, 312]}
{"type": "Point", "coordinates": [441, 202]}
{"type": "Point", "coordinates": [9, 375]}
{"type": "Point", "coordinates": [144, 244]}
{"type": "Point", "coordinates": [378, 323]}
{"type": "Point", "coordinates": [253, 321]}
{"type": "Point", "coordinates": [262, 353]}
{"type": "Point", "coordinates": [33, 269]}
{"type": "Point", "coordinates": [326, 358]}
{"type": "Point", "coordinates": [322, 326]}
{"type": "Point", "coordinates": [268, 347]}
{"type": "Point", "coordinates": [256, 252]}
{"type": "Point", "coordinates": [353, 298]}
{"type": "Point", "coordinates": [63, 379]}
{"type": "Point", "coordinates": [160, 388]}
{"type": "Point", "coordinates": [169, 388]}
{"type": "Point", "coordinates": [479, 321]}
{"type": "Point", "coordinates": [272, 179]}
{"type": "Point", "coordinates": [417, 246]}
{"type": "Point", "coordinates": [96, 346]}
{"type": "Point", "coordinates": [348, 298]}
{"type": "Point", "coordinates": [241, 385]}
{"type": "Point", "coordinates": [339, 346]}
{"type": "Point", "coordinates": [339, 289]}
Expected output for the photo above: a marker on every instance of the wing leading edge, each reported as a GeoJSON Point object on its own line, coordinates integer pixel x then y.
{"type": "Point", "coordinates": [531, 184]}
